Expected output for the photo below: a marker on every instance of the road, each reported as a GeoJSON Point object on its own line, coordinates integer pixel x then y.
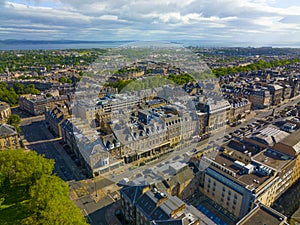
{"type": "Point", "coordinates": [38, 138]}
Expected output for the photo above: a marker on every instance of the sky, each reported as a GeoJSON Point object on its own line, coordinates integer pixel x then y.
{"type": "Point", "coordinates": [260, 22]}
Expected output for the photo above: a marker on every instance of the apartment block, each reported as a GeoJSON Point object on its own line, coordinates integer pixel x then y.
{"type": "Point", "coordinates": [36, 104]}
{"type": "Point", "coordinates": [144, 205]}
{"type": "Point", "coordinates": [245, 174]}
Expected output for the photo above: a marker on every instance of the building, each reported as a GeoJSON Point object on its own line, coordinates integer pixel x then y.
{"type": "Point", "coordinates": [36, 104]}
{"type": "Point", "coordinates": [295, 218]}
{"type": "Point", "coordinates": [217, 110]}
{"type": "Point", "coordinates": [260, 98]}
{"type": "Point", "coordinates": [239, 108]}
{"type": "Point", "coordinates": [263, 215]}
{"type": "Point", "coordinates": [88, 147]}
{"type": "Point", "coordinates": [291, 146]}
{"type": "Point", "coordinates": [96, 110]}
{"type": "Point", "coordinates": [5, 112]}
{"type": "Point", "coordinates": [267, 136]}
{"type": "Point", "coordinates": [142, 205]}
{"type": "Point", "coordinates": [287, 91]}
{"type": "Point", "coordinates": [9, 138]}
{"type": "Point", "coordinates": [236, 183]}
{"type": "Point", "coordinates": [276, 92]}
{"type": "Point", "coordinates": [153, 131]}
{"type": "Point", "coordinates": [55, 117]}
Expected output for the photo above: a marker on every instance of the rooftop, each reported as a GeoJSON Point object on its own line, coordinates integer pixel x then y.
{"type": "Point", "coordinates": [247, 175]}
{"type": "Point", "coordinates": [263, 215]}
{"type": "Point", "coordinates": [268, 136]}
{"type": "Point", "coordinates": [7, 130]}
{"type": "Point", "coordinates": [161, 208]}
{"type": "Point", "coordinates": [271, 158]}
{"type": "Point", "coordinates": [293, 141]}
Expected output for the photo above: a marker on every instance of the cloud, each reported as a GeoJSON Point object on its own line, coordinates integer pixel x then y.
{"type": "Point", "coordinates": [231, 20]}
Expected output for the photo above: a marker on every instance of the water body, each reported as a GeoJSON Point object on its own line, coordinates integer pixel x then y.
{"type": "Point", "coordinates": [52, 45]}
{"type": "Point", "coordinates": [71, 44]}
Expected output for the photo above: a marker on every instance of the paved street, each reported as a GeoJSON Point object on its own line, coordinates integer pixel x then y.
{"type": "Point", "coordinates": [38, 138]}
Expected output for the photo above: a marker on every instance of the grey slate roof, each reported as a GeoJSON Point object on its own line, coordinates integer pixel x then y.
{"type": "Point", "coordinates": [7, 130]}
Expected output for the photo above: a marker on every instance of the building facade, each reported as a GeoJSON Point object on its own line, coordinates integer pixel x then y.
{"type": "Point", "coordinates": [9, 138]}
{"type": "Point", "coordinates": [5, 112]}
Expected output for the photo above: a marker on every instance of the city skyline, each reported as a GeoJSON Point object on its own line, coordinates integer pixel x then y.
{"type": "Point", "coordinates": [246, 22]}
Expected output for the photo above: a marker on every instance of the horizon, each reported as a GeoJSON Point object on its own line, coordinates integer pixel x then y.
{"type": "Point", "coordinates": [51, 44]}
{"type": "Point", "coordinates": [249, 22]}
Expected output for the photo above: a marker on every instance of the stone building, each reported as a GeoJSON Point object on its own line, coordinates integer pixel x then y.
{"type": "Point", "coordinates": [5, 112]}
{"type": "Point", "coordinates": [144, 205]}
{"type": "Point", "coordinates": [9, 138]}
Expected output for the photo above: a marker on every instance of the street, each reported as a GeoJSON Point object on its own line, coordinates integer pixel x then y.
{"type": "Point", "coordinates": [38, 138]}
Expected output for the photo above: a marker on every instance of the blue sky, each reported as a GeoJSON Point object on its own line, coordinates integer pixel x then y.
{"type": "Point", "coordinates": [257, 22]}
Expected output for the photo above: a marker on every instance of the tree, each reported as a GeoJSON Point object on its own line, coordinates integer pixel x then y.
{"type": "Point", "coordinates": [64, 80]}
{"type": "Point", "coordinates": [50, 203]}
{"type": "Point", "coordinates": [14, 119]}
{"type": "Point", "coordinates": [22, 168]}
{"type": "Point", "coordinates": [30, 89]}
{"type": "Point", "coordinates": [19, 88]}
{"type": "Point", "coordinates": [37, 196]}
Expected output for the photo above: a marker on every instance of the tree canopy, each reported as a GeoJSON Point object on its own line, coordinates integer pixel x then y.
{"type": "Point", "coordinates": [11, 95]}
{"type": "Point", "coordinates": [31, 194]}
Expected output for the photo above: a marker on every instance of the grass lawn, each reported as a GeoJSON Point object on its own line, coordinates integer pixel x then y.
{"type": "Point", "coordinates": [13, 208]}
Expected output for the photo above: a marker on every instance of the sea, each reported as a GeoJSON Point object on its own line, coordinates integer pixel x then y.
{"type": "Point", "coordinates": [6, 45]}
{"type": "Point", "coordinates": [53, 45]}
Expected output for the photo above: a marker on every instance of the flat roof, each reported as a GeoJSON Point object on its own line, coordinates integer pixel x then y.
{"type": "Point", "coordinates": [263, 215]}
{"type": "Point", "coordinates": [253, 180]}
{"type": "Point", "coordinates": [293, 140]}
{"type": "Point", "coordinates": [272, 158]}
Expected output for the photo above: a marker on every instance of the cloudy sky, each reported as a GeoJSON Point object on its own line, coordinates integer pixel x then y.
{"type": "Point", "coordinates": [250, 21]}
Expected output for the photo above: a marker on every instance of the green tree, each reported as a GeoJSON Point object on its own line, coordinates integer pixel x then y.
{"type": "Point", "coordinates": [19, 88]}
{"type": "Point", "coordinates": [64, 80]}
{"type": "Point", "coordinates": [14, 119]}
{"type": "Point", "coordinates": [22, 168]}
{"type": "Point", "coordinates": [50, 203]}
{"type": "Point", "coordinates": [34, 195]}
{"type": "Point", "coordinates": [30, 89]}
